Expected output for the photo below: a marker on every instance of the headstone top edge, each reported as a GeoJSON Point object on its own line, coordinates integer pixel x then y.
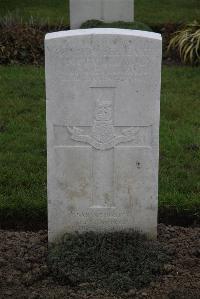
{"type": "Point", "coordinates": [103, 31]}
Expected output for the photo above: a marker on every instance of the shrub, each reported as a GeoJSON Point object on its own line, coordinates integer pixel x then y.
{"type": "Point", "coordinates": [119, 24]}
{"type": "Point", "coordinates": [24, 43]}
{"type": "Point", "coordinates": [21, 44]}
{"type": "Point", "coordinates": [186, 42]}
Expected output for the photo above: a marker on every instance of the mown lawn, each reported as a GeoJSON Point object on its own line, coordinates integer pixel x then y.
{"type": "Point", "coordinates": [23, 148]}
{"type": "Point", "coordinates": [53, 10]}
{"type": "Point", "coordinates": [165, 11]}
{"type": "Point", "coordinates": [150, 12]}
{"type": "Point", "coordinates": [22, 143]}
{"type": "Point", "coordinates": [179, 175]}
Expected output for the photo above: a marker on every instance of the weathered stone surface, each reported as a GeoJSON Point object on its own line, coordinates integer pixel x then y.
{"type": "Point", "coordinates": [103, 106]}
{"type": "Point", "coordinates": [105, 10]}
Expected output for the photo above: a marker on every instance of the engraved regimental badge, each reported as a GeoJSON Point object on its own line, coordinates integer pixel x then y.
{"type": "Point", "coordinates": [103, 134]}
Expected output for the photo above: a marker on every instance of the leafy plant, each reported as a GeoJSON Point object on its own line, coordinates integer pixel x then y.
{"type": "Point", "coordinates": [23, 43]}
{"type": "Point", "coordinates": [119, 24]}
{"type": "Point", "coordinates": [186, 42]}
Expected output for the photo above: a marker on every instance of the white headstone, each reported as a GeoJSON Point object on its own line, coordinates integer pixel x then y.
{"type": "Point", "coordinates": [104, 10]}
{"type": "Point", "coordinates": [103, 107]}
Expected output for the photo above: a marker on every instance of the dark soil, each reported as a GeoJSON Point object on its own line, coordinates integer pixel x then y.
{"type": "Point", "coordinates": [166, 215]}
{"type": "Point", "coordinates": [24, 272]}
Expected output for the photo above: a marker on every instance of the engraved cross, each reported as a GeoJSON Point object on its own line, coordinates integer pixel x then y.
{"type": "Point", "coordinates": [103, 139]}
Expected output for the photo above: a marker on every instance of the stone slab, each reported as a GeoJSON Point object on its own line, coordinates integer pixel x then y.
{"type": "Point", "coordinates": [103, 107]}
{"type": "Point", "coordinates": [105, 10]}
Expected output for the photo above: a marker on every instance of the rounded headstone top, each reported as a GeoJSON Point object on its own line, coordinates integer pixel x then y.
{"type": "Point", "coordinates": [103, 31]}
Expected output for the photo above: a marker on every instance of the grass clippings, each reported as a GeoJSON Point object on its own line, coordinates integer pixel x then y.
{"type": "Point", "coordinates": [117, 261]}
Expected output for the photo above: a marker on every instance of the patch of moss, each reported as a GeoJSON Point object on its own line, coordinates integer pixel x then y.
{"type": "Point", "coordinates": [119, 24]}
{"type": "Point", "coordinates": [116, 261]}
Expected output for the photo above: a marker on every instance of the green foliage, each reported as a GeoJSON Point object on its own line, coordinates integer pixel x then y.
{"type": "Point", "coordinates": [23, 43]}
{"type": "Point", "coordinates": [120, 24]}
{"type": "Point", "coordinates": [115, 261]}
{"type": "Point", "coordinates": [187, 42]}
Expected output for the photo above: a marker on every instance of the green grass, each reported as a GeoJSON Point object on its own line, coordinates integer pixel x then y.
{"type": "Point", "coordinates": [162, 11]}
{"type": "Point", "coordinates": [146, 11]}
{"type": "Point", "coordinates": [180, 138]}
{"type": "Point", "coordinates": [22, 142]}
{"type": "Point", "coordinates": [23, 147]}
{"type": "Point", "coordinates": [53, 10]}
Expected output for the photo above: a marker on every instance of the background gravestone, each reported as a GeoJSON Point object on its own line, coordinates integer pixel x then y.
{"type": "Point", "coordinates": [103, 106]}
{"type": "Point", "coordinates": [105, 10]}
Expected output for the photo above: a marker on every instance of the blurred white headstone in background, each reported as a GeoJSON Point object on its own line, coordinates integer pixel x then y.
{"type": "Point", "coordinates": [104, 10]}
